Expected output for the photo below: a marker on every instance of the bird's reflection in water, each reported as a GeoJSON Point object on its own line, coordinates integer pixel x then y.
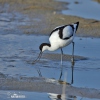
{"type": "Point", "coordinates": [53, 96]}
{"type": "Point", "coordinates": [62, 96]}
{"type": "Point", "coordinates": [39, 71]}
{"type": "Point", "coordinates": [72, 70]}
{"type": "Point", "coordinates": [61, 74]}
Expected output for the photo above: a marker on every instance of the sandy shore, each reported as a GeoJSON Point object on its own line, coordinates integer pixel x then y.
{"type": "Point", "coordinates": [45, 15]}
{"type": "Point", "coordinates": [47, 85]}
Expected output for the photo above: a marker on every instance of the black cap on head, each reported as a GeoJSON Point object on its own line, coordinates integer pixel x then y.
{"type": "Point", "coordinates": [43, 44]}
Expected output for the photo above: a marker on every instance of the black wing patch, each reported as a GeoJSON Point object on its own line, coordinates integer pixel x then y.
{"type": "Point", "coordinates": [67, 37]}
{"type": "Point", "coordinates": [60, 28]}
{"type": "Point", "coordinates": [72, 27]}
{"type": "Point", "coordinates": [61, 31]}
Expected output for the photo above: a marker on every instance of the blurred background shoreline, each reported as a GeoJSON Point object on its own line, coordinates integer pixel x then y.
{"type": "Point", "coordinates": [40, 17]}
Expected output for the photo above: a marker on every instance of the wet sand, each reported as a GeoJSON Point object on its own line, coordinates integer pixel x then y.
{"type": "Point", "coordinates": [41, 84]}
{"type": "Point", "coordinates": [46, 15]}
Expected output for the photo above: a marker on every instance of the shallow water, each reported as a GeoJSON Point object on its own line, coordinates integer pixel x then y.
{"type": "Point", "coordinates": [25, 95]}
{"type": "Point", "coordinates": [83, 8]}
{"type": "Point", "coordinates": [17, 50]}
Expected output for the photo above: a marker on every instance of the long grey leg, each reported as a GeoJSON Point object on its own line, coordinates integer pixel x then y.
{"type": "Point", "coordinates": [61, 57]}
{"type": "Point", "coordinates": [72, 54]}
{"type": "Point", "coordinates": [61, 63]}
{"type": "Point", "coordinates": [72, 66]}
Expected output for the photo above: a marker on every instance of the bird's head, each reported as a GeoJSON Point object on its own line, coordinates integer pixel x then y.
{"type": "Point", "coordinates": [42, 47]}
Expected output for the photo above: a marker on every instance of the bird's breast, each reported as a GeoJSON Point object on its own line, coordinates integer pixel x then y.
{"type": "Point", "coordinates": [56, 42]}
{"type": "Point", "coordinates": [60, 43]}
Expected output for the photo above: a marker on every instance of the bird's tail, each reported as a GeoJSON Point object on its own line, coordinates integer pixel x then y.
{"type": "Point", "coordinates": [76, 25]}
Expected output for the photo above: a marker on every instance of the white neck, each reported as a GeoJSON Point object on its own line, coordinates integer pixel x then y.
{"type": "Point", "coordinates": [51, 48]}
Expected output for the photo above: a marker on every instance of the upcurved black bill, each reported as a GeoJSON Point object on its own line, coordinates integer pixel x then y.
{"type": "Point", "coordinates": [38, 58]}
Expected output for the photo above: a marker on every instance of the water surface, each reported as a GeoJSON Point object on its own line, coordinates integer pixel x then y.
{"type": "Point", "coordinates": [17, 50]}
{"type": "Point", "coordinates": [83, 8]}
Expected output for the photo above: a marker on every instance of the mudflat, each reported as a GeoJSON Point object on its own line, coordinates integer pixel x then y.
{"type": "Point", "coordinates": [45, 15]}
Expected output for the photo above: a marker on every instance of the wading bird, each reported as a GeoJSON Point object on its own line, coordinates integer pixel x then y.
{"type": "Point", "coordinates": [60, 37]}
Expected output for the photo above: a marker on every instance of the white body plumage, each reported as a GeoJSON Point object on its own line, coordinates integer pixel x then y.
{"type": "Point", "coordinates": [56, 42]}
{"type": "Point", "coordinates": [60, 37]}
